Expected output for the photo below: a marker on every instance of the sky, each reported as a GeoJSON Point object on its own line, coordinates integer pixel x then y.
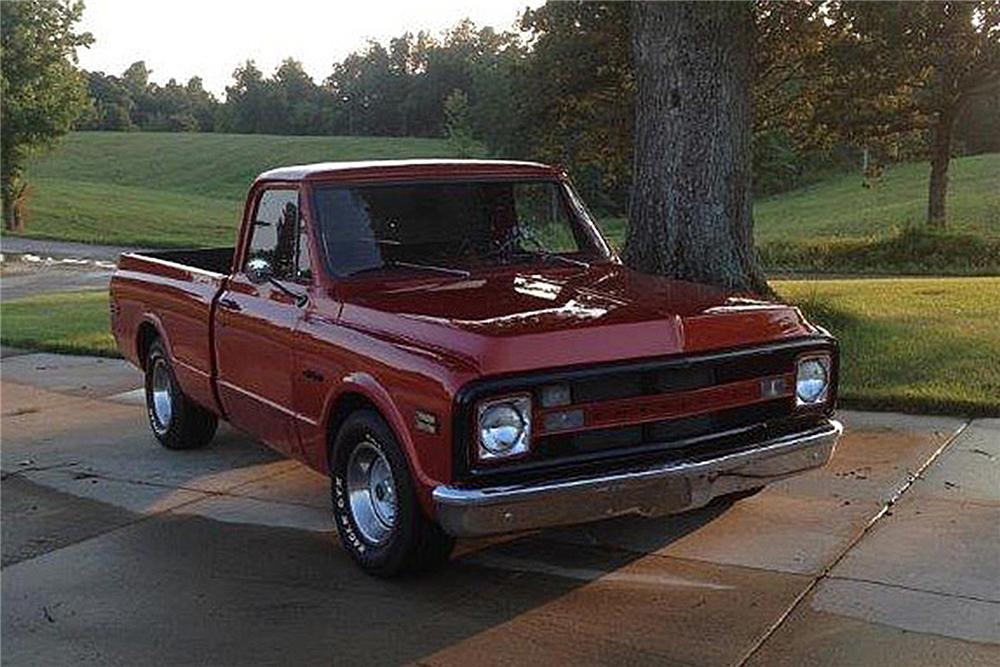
{"type": "Point", "coordinates": [210, 38]}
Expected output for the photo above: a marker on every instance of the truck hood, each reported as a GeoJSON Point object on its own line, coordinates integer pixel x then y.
{"type": "Point", "coordinates": [524, 318]}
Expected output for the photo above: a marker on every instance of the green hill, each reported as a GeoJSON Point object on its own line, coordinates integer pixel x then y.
{"type": "Point", "coordinates": [839, 226]}
{"type": "Point", "coordinates": [174, 189]}
{"type": "Point", "coordinates": [842, 207]}
{"type": "Point", "coordinates": [168, 189]}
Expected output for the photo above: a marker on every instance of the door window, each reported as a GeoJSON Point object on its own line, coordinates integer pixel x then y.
{"type": "Point", "coordinates": [303, 265]}
{"type": "Point", "coordinates": [278, 235]}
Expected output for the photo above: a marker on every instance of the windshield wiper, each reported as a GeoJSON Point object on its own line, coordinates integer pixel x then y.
{"type": "Point", "coordinates": [548, 254]}
{"type": "Point", "coordinates": [300, 298]}
{"type": "Point", "coordinates": [430, 267]}
{"type": "Point", "coordinates": [568, 260]}
{"type": "Point", "coordinates": [523, 234]}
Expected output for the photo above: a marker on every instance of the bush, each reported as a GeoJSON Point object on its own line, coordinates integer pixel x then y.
{"type": "Point", "coordinates": [914, 251]}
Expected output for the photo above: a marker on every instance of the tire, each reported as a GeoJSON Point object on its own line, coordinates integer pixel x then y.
{"type": "Point", "coordinates": [176, 421]}
{"type": "Point", "coordinates": [386, 535]}
{"type": "Point", "coordinates": [744, 494]}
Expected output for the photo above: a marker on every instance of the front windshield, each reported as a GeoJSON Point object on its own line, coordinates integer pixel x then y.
{"type": "Point", "coordinates": [456, 225]}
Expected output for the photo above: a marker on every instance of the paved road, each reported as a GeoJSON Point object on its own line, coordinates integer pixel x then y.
{"type": "Point", "coordinates": [116, 551]}
{"type": "Point", "coordinates": [32, 267]}
{"type": "Point", "coordinates": [31, 278]}
{"type": "Point", "coordinates": [61, 249]}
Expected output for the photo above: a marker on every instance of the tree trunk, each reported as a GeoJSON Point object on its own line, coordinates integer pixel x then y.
{"type": "Point", "coordinates": [690, 206]}
{"type": "Point", "coordinates": [11, 221]}
{"type": "Point", "coordinates": [940, 159]}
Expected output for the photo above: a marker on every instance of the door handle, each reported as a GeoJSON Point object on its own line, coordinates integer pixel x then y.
{"type": "Point", "coordinates": [229, 304]}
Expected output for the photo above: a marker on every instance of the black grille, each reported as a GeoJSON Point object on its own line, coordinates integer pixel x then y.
{"type": "Point", "coordinates": [630, 383]}
{"type": "Point", "coordinates": [608, 448]}
{"type": "Point", "coordinates": [671, 433]}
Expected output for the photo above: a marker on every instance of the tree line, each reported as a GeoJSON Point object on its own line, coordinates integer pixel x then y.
{"type": "Point", "coordinates": [830, 81]}
{"type": "Point", "coordinates": [398, 89]}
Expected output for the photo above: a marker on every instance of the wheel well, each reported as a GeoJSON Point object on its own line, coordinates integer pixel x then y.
{"type": "Point", "coordinates": [343, 407]}
{"type": "Point", "coordinates": [144, 339]}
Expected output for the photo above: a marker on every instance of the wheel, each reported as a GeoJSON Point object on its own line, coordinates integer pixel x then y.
{"type": "Point", "coordinates": [375, 505]}
{"type": "Point", "coordinates": [177, 421]}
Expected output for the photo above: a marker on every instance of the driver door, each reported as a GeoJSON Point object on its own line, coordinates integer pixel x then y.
{"type": "Point", "coordinates": [255, 325]}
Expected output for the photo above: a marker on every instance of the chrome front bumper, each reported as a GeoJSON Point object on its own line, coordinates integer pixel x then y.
{"type": "Point", "coordinates": [661, 489]}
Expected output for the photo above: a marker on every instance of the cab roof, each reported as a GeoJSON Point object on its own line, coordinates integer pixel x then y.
{"type": "Point", "coordinates": [409, 170]}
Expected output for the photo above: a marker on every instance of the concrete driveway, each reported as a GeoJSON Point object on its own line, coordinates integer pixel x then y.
{"type": "Point", "coordinates": [116, 551]}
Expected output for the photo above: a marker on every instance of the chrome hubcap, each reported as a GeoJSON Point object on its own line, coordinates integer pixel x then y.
{"type": "Point", "coordinates": [162, 390]}
{"type": "Point", "coordinates": [372, 493]}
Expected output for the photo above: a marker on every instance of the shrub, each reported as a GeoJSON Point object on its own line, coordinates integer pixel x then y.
{"type": "Point", "coordinates": [914, 251]}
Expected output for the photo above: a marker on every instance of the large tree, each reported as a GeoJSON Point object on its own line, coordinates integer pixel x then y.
{"type": "Point", "coordinates": [575, 95]}
{"type": "Point", "coordinates": [914, 66]}
{"type": "Point", "coordinates": [248, 102]}
{"type": "Point", "coordinates": [42, 91]}
{"type": "Point", "coordinates": [690, 207]}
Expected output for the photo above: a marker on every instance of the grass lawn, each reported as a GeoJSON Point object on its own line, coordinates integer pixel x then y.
{"type": "Point", "coordinates": [70, 322]}
{"type": "Point", "coordinates": [109, 213]}
{"type": "Point", "coordinates": [929, 345]}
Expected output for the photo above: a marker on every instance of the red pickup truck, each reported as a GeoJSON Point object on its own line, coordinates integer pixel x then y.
{"type": "Point", "coordinates": [456, 345]}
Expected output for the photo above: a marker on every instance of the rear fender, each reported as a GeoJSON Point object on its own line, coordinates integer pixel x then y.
{"type": "Point", "coordinates": [154, 320]}
{"type": "Point", "coordinates": [195, 385]}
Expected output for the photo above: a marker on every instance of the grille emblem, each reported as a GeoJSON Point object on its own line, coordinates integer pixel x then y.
{"type": "Point", "coordinates": [772, 387]}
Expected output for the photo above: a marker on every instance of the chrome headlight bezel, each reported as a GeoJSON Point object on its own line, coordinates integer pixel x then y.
{"type": "Point", "coordinates": [805, 367]}
{"type": "Point", "coordinates": [491, 448]}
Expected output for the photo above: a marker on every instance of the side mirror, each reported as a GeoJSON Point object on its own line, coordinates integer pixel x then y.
{"type": "Point", "coordinates": [259, 270]}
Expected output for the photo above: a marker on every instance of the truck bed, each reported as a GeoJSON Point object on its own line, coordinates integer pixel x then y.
{"type": "Point", "coordinates": [173, 291]}
{"type": "Point", "coordinates": [214, 260]}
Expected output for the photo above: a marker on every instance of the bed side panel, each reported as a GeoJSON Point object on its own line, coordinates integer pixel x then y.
{"type": "Point", "coordinates": [177, 300]}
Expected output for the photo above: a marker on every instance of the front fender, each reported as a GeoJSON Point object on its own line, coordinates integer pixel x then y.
{"type": "Point", "coordinates": [366, 385]}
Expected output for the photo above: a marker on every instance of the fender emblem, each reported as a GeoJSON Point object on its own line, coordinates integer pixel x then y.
{"type": "Point", "coordinates": [425, 421]}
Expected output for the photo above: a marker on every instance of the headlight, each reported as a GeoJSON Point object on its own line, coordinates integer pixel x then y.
{"type": "Point", "coordinates": [504, 427]}
{"type": "Point", "coordinates": [812, 380]}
